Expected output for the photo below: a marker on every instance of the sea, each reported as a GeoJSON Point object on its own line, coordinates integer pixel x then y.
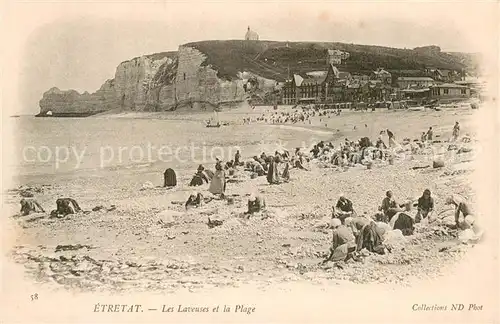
{"type": "Point", "coordinates": [61, 150]}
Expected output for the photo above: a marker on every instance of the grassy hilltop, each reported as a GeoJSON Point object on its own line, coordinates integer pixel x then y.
{"type": "Point", "coordinates": [273, 60]}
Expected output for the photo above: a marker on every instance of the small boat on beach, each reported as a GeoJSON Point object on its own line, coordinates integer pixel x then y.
{"type": "Point", "coordinates": [214, 121]}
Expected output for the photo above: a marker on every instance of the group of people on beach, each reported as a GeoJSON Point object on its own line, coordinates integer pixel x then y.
{"type": "Point", "coordinates": [294, 117]}
{"type": "Point", "coordinates": [353, 233]}
{"type": "Point", "coordinates": [275, 167]}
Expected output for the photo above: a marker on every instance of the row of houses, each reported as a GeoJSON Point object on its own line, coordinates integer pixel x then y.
{"type": "Point", "coordinates": [335, 86]}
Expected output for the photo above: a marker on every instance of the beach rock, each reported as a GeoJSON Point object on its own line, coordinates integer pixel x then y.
{"type": "Point", "coordinates": [438, 164]}
{"type": "Point", "coordinates": [232, 223]}
{"type": "Point", "coordinates": [277, 213]}
{"type": "Point", "coordinates": [395, 239]}
{"type": "Point", "coordinates": [214, 223]}
{"type": "Point", "coordinates": [26, 194]}
{"type": "Point", "coordinates": [71, 247]}
{"type": "Point", "coordinates": [448, 220]}
{"type": "Point", "coordinates": [466, 235]}
{"type": "Point", "coordinates": [147, 185]}
{"type": "Point", "coordinates": [98, 208]}
{"type": "Point", "coordinates": [323, 222]}
{"type": "Point", "coordinates": [464, 150]}
{"type": "Point", "coordinates": [168, 216]}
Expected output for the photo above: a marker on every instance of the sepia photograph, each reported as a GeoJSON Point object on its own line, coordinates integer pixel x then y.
{"type": "Point", "coordinates": [250, 162]}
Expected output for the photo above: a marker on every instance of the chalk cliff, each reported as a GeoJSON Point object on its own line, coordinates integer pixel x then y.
{"type": "Point", "coordinates": [131, 89]}
{"type": "Point", "coordinates": [158, 82]}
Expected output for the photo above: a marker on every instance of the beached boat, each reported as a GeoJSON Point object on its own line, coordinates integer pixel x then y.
{"type": "Point", "coordinates": [214, 121]}
{"type": "Point", "coordinates": [414, 105]}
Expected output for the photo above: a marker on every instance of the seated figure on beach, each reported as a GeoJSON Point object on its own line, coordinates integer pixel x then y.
{"type": "Point", "coordinates": [229, 165]}
{"type": "Point", "coordinates": [315, 151]}
{"type": "Point", "coordinates": [343, 208]}
{"type": "Point", "coordinates": [371, 238]}
{"type": "Point", "coordinates": [356, 224]}
{"type": "Point", "coordinates": [255, 204]}
{"type": "Point", "coordinates": [195, 200]}
{"type": "Point", "coordinates": [403, 220]}
{"type": "Point", "coordinates": [380, 143]}
{"type": "Point", "coordinates": [258, 168]}
{"type": "Point", "coordinates": [472, 230]}
{"type": "Point", "coordinates": [343, 242]}
{"type": "Point", "coordinates": [389, 206]}
{"type": "Point", "coordinates": [169, 178]}
{"type": "Point", "coordinates": [364, 142]}
{"type": "Point", "coordinates": [354, 158]}
{"type": "Point", "coordinates": [425, 206]}
{"type": "Point", "coordinates": [423, 137]}
{"type": "Point", "coordinates": [286, 155]}
{"type": "Point", "coordinates": [285, 175]}
{"type": "Point", "coordinates": [262, 162]}
{"type": "Point", "coordinates": [299, 162]}
{"type": "Point", "coordinates": [461, 207]}
{"type": "Point", "coordinates": [30, 205]}
{"type": "Point", "coordinates": [237, 159]}
{"type": "Point", "coordinates": [65, 206]}
{"type": "Point", "coordinates": [200, 177]}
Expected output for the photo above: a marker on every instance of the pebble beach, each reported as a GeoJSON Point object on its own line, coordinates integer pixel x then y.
{"type": "Point", "coordinates": [141, 238]}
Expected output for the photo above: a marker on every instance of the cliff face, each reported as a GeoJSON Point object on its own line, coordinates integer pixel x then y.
{"type": "Point", "coordinates": [135, 87]}
{"type": "Point", "coordinates": [71, 101]}
{"type": "Point", "coordinates": [195, 82]}
{"type": "Point", "coordinates": [152, 83]}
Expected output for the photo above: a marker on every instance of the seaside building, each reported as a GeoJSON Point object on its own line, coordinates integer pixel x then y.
{"type": "Point", "coordinates": [251, 35]}
{"type": "Point", "coordinates": [360, 77]}
{"type": "Point", "coordinates": [450, 91]}
{"type": "Point", "coordinates": [382, 75]}
{"type": "Point", "coordinates": [476, 86]}
{"type": "Point", "coordinates": [314, 87]}
{"type": "Point", "coordinates": [335, 57]}
{"type": "Point", "coordinates": [345, 76]}
{"type": "Point", "coordinates": [443, 75]}
{"type": "Point", "coordinates": [408, 82]}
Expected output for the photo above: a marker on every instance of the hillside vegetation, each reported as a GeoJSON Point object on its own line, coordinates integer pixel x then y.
{"type": "Point", "coordinates": [277, 60]}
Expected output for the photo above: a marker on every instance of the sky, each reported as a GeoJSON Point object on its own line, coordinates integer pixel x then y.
{"type": "Point", "coordinates": [77, 45]}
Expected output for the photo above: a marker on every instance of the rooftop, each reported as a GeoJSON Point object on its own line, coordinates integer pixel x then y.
{"type": "Point", "coordinates": [449, 85]}
{"type": "Point", "coordinates": [415, 79]}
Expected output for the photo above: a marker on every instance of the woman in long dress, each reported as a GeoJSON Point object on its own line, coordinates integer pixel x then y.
{"type": "Point", "coordinates": [273, 173]}
{"type": "Point", "coordinates": [218, 183]}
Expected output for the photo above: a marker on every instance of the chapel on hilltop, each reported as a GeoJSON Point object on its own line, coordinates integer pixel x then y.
{"type": "Point", "coordinates": [251, 35]}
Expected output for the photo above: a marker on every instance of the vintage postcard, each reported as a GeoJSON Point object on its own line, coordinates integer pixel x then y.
{"type": "Point", "coordinates": [249, 162]}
